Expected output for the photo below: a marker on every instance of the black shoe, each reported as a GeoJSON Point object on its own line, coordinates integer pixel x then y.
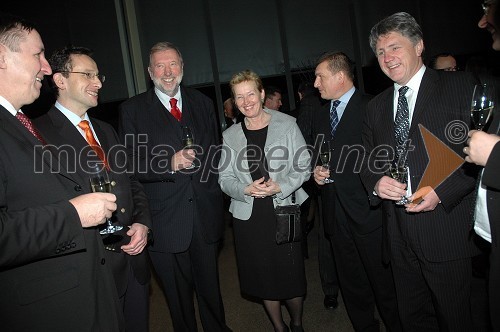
{"type": "Point", "coordinates": [330, 302]}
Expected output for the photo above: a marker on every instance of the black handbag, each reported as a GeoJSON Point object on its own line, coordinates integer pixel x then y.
{"type": "Point", "coordinates": [288, 223]}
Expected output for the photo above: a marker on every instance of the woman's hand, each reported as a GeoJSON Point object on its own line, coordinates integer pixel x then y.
{"type": "Point", "coordinates": [261, 188]}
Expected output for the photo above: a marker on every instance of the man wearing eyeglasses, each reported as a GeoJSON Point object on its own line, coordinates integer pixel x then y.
{"type": "Point", "coordinates": [484, 149]}
{"type": "Point", "coordinates": [80, 142]}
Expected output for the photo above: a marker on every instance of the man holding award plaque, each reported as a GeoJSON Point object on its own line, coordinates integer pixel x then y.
{"type": "Point", "coordinates": [429, 243]}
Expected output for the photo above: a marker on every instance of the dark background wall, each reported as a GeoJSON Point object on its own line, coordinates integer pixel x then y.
{"type": "Point", "coordinates": [279, 39]}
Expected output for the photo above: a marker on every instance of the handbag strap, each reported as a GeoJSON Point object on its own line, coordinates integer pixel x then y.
{"type": "Point", "coordinates": [293, 197]}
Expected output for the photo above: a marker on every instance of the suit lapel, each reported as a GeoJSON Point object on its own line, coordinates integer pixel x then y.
{"type": "Point", "coordinates": [386, 120]}
{"type": "Point", "coordinates": [12, 125]}
{"type": "Point", "coordinates": [425, 94]}
{"type": "Point", "coordinates": [32, 145]}
{"type": "Point", "coordinates": [164, 121]}
{"type": "Point", "coordinates": [61, 133]}
{"type": "Point", "coordinates": [349, 118]}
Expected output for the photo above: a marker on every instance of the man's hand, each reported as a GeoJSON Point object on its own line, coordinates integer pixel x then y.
{"type": "Point", "coordinates": [93, 209]}
{"type": "Point", "coordinates": [480, 146]}
{"type": "Point", "coordinates": [388, 188]}
{"type": "Point", "coordinates": [182, 159]}
{"type": "Point", "coordinates": [320, 174]}
{"type": "Point", "coordinates": [138, 241]}
{"type": "Point", "coordinates": [428, 203]}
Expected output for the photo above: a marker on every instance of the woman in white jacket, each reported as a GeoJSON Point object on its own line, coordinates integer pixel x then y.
{"type": "Point", "coordinates": [264, 160]}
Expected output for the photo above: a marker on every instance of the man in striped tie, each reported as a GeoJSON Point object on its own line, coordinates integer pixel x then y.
{"type": "Point", "coordinates": [429, 244]}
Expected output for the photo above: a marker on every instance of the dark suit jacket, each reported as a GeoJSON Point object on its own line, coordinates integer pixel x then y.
{"type": "Point", "coordinates": [53, 273]}
{"type": "Point", "coordinates": [130, 197]}
{"type": "Point", "coordinates": [178, 200]}
{"type": "Point", "coordinates": [445, 233]}
{"type": "Point", "coordinates": [351, 198]}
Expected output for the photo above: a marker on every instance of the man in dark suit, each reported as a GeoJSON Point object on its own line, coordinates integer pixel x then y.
{"type": "Point", "coordinates": [430, 244]}
{"type": "Point", "coordinates": [54, 275]}
{"type": "Point", "coordinates": [76, 82]}
{"type": "Point", "coordinates": [181, 184]}
{"type": "Point", "coordinates": [484, 149]}
{"type": "Point", "coordinates": [355, 228]}
{"type": "Point", "coordinates": [310, 104]}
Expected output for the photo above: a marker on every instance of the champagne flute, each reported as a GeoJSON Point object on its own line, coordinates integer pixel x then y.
{"type": "Point", "coordinates": [99, 182]}
{"type": "Point", "coordinates": [399, 172]}
{"type": "Point", "coordinates": [325, 153]}
{"type": "Point", "coordinates": [188, 141]}
{"type": "Point", "coordinates": [482, 105]}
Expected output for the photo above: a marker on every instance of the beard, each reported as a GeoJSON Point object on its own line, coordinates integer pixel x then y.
{"type": "Point", "coordinates": [157, 81]}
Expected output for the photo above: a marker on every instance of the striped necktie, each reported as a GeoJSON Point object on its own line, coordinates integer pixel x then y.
{"type": "Point", "coordinates": [334, 117]}
{"type": "Point", "coordinates": [401, 124]}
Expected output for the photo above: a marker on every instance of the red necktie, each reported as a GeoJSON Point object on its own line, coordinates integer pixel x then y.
{"type": "Point", "coordinates": [174, 110]}
{"type": "Point", "coordinates": [84, 125]}
{"type": "Point", "coordinates": [29, 125]}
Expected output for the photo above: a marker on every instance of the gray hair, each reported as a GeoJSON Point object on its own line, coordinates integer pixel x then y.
{"type": "Point", "coordinates": [402, 23]}
{"type": "Point", "coordinates": [163, 46]}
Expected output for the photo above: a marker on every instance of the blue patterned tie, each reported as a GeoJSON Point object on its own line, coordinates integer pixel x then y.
{"type": "Point", "coordinates": [401, 123]}
{"type": "Point", "coordinates": [334, 117]}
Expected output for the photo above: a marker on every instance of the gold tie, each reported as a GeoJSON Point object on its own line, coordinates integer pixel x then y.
{"type": "Point", "coordinates": [84, 125]}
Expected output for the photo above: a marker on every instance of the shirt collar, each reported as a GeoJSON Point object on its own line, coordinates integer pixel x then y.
{"type": "Point", "coordinates": [347, 96]}
{"type": "Point", "coordinates": [8, 106]}
{"type": "Point", "coordinates": [165, 99]}
{"type": "Point", "coordinates": [414, 82]}
{"type": "Point", "coordinates": [75, 119]}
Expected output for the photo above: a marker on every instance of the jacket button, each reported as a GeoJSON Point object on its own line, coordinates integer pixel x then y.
{"type": "Point", "coordinates": [122, 210]}
{"type": "Point", "coordinates": [113, 183]}
{"type": "Point", "coordinates": [103, 261]}
{"type": "Point", "coordinates": [78, 188]}
{"type": "Point", "coordinates": [190, 200]}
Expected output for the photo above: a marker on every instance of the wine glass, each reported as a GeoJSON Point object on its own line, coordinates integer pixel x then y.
{"type": "Point", "coordinates": [399, 172]}
{"type": "Point", "coordinates": [325, 153]}
{"type": "Point", "coordinates": [482, 105]}
{"type": "Point", "coordinates": [99, 182]}
{"type": "Point", "coordinates": [188, 141]}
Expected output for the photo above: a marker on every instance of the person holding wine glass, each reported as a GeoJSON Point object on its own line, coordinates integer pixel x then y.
{"type": "Point", "coordinates": [264, 162]}
{"type": "Point", "coordinates": [429, 244]}
{"type": "Point", "coordinates": [483, 149]}
{"type": "Point", "coordinates": [54, 275]}
{"type": "Point", "coordinates": [187, 201]}
{"type": "Point", "coordinates": [93, 151]}
{"type": "Point", "coordinates": [354, 228]}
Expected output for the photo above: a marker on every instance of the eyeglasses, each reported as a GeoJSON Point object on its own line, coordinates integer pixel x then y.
{"type": "Point", "coordinates": [89, 76]}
